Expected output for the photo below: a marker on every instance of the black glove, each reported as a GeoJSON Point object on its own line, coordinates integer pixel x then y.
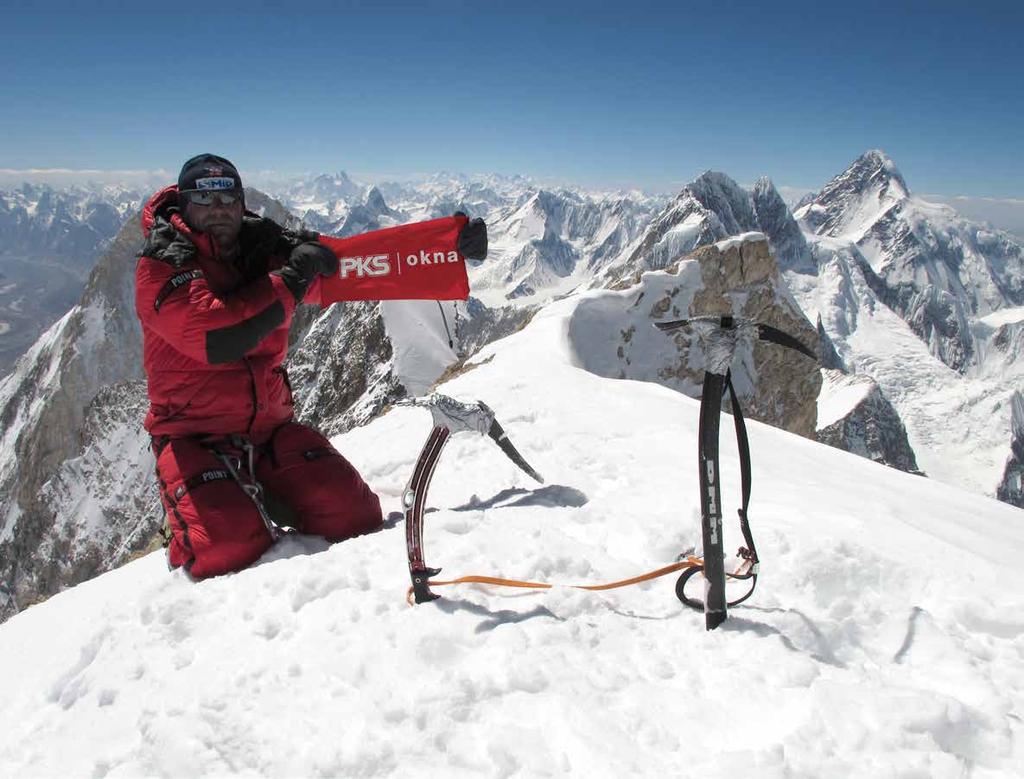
{"type": "Point", "coordinates": [305, 263]}
{"type": "Point", "coordinates": [473, 239]}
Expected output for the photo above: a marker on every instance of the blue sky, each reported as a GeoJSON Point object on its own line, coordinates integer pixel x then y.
{"type": "Point", "coordinates": [629, 93]}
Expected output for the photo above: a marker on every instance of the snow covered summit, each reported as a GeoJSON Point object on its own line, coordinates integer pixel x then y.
{"type": "Point", "coordinates": [884, 637]}
{"type": "Point", "coordinates": [857, 198]}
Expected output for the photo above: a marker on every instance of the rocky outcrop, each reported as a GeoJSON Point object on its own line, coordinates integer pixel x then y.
{"type": "Point", "coordinates": [1011, 487]}
{"type": "Point", "coordinates": [785, 238]}
{"type": "Point", "coordinates": [855, 416]}
{"type": "Point", "coordinates": [341, 374]}
{"type": "Point", "coordinates": [613, 334]}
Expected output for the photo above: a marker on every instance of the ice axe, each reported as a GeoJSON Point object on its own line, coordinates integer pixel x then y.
{"type": "Point", "coordinates": [450, 416]}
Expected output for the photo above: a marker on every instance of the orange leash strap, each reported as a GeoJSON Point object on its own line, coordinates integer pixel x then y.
{"type": "Point", "coordinates": [690, 562]}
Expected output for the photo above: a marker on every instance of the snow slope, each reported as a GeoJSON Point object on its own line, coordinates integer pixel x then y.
{"type": "Point", "coordinates": [885, 637]}
{"type": "Point", "coordinates": [958, 425]}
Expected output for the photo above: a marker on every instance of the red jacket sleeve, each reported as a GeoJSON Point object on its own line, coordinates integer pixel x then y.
{"type": "Point", "coordinates": [179, 307]}
{"type": "Point", "coordinates": [417, 261]}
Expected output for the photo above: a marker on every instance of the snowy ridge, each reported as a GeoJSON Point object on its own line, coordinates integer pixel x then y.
{"type": "Point", "coordinates": [552, 243]}
{"type": "Point", "coordinates": [855, 200]}
{"type": "Point", "coordinates": [924, 303]}
{"type": "Point", "coordinates": [840, 394]}
{"type": "Point", "coordinates": [859, 655]}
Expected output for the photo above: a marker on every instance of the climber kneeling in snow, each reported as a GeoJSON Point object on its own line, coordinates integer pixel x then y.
{"type": "Point", "coordinates": [216, 287]}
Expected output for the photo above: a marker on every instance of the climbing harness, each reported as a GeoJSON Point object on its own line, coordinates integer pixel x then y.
{"type": "Point", "coordinates": [249, 486]}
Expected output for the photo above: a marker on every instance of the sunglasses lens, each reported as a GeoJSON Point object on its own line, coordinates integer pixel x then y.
{"type": "Point", "coordinates": [209, 198]}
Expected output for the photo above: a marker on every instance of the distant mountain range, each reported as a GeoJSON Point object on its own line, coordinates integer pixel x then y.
{"type": "Point", "coordinates": [50, 240]}
{"type": "Point", "coordinates": [917, 313]}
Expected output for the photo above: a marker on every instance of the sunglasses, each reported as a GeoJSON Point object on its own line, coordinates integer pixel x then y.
{"type": "Point", "coordinates": [202, 197]}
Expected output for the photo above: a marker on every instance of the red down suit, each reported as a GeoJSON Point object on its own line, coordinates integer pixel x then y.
{"type": "Point", "coordinates": [215, 335]}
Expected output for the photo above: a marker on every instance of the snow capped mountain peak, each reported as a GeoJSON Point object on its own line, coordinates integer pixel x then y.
{"type": "Point", "coordinates": [875, 167]}
{"type": "Point", "coordinates": [857, 198]}
{"type": "Point", "coordinates": [375, 200]}
{"type": "Point", "coordinates": [882, 161]}
{"type": "Point", "coordinates": [728, 200]}
{"type": "Point", "coordinates": [334, 185]}
{"type": "Point", "coordinates": [712, 208]}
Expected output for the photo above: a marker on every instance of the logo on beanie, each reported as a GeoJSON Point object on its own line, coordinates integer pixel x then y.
{"type": "Point", "coordinates": [215, 182]}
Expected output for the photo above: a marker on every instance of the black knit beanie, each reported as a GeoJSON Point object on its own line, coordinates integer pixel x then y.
{"type": "Point", "coordinates": [208, 171]}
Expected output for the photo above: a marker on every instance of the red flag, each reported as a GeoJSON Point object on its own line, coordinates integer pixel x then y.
{"type": "Point", "coordinates": [417, 261]}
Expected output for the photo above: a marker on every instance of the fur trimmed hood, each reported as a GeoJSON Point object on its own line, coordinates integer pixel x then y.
{"type": "Point", "coordinates": [169, 239]}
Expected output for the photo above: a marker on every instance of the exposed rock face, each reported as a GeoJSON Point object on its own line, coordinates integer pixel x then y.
{"type": "Point", "coordinates": [867, 423]}
{"type": "Point", "coordinates": [613, 334]}
{"type": "Point", "coordinates": [784, 235]}
{"type": "Point", "coordinates": [345, 357]}
{"type": "Point", "coordinates": [54, 415]}
{"type": "Point", "coordinates": [1011, 488]}
{"type": "Point", "coordinates": [830, 358]}
{"type": "Point", "coordinates": [358, 358]}
{"type": "Point", "coordinates": [481, 325]}
{"type": "Point", "coordinates": [99, 506]}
